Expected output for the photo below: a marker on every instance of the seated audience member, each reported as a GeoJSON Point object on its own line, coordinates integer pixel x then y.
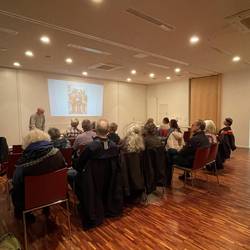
{"type": "Point", "coordinates": [112, 135]}
{"type": "Point", "coordinates": [151, 139]}
{"type": "Point", "coordinates": [210, 131]}
{"type": "Point", "coordinates": [150, 120]}
{"type": "Point", "coordinates": [133, 141]}
{"type": "Point", "coordinates": [57, 140]}
{"type": "Point", "coordinates": [226, 142]}
{"type": "Point", "coordinates": [93, 125]}
{"type": "Point", "coordinates": [39, 157]}
{"type": "Point", "coordinates": [164, 127]}
{"type": "Point", "coordinates": [86, 137]}
{"type": "Point", "coordinates": [174, 139]}
{"type": "Point", "coordinates": [185, 156]}
{"type": "Point", "coordinates": [97, 154]}
{"type": "Point", "coordinates": [73, 132]}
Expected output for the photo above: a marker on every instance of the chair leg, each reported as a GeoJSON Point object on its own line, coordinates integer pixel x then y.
{"type": "Point", "coordinates": [192, 178]}
{"type": "Point", "coordinates": [25, 232]}
{"type": "Point", "coordinates": [68, 214]}
{"type": "Point", "coordinates": [185, 178]}
{"type": "Point", "coordinates": [216, 172]}
{"type": "Point", "coordinates": [8, 194]}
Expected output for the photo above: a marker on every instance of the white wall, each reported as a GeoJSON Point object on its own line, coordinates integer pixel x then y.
{"type": "Point", "coordinates": [236, 104]}
{"type": "Point", "coordinates": [169, 99]}
{"type": "Point", "coordinates": [21, 92]}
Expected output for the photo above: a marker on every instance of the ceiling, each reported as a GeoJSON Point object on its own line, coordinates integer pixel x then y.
{"type": "Point", "coordinates": [120, 35]}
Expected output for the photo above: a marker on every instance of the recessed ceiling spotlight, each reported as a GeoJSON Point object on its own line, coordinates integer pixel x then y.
{"type": "Point", "coordinates": [133, 72]}
{"type": "Point", "coordinates": [84, 73]}
{"type": "Point", "coordinates": [17, 64]}
{"type": "Point", "coordinates": [236, 59]}
{"type": "Point", "coordinates": [29, 53]}
{"type": "Point", "coordinates": [97, 1]}
{"type": "Point", "coordinates": [177, 70]}
{"type": "Point", "coordinates": [194, 39]}
{"type": "Point", "coordinates": [129, 79]}
{"type": "Point", "coordinates": [45, 39]}
{"type": "Point", "coordinates": [68, 60]}
{"type": "Point", "coordinates": [151, 75]}
{"type": "Point", "coordinates": [168, 77]}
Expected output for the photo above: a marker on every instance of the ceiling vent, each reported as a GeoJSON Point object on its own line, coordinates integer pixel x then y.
{"type": "Point", "coordinates": [240, 20]}
{"type": "Point", "coordinates": [91, 50]}
{"type": "Point", "coordinates": [8, 31]}
{"type": "Point", "coordinates": [159, 65]}
{"type": "Point", "coordinates": [105, 66]}
{"type": "Point", "coordinates": [152, 20]}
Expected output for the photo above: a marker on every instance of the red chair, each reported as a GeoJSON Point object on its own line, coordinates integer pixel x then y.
{"type": "Point", "coordinates": [212, 158]}
{"type": "Point", "coordinates": [17, 149]}
{"type": "Point", "coordinates": [200, 160]}
{"type": "Point", "coordinates": [13, 158]}
{"type": "Point", "coordinates": [67, 154]}
{"type": "Point", "coordinates": [38, 195]}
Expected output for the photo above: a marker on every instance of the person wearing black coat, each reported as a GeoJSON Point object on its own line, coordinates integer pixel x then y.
{"type": "Point", "coordinates": [185, 156]}
{"type": "Point", "coordinates": [98, 182]}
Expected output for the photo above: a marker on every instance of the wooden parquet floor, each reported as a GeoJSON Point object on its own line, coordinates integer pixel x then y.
{"type": "Point", "coordinates": [208, 216]}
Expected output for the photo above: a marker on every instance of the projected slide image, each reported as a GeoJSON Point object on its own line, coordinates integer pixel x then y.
{"type": "Point", "coordinates": [77, 100]}
{"type": "Point", "coordinates": [68, 98]}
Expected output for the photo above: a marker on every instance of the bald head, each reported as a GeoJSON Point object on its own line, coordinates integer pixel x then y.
{"type": "Point", "coordinates": [102, 127]}
{"type": "Point", "coordinates": [40, 111]}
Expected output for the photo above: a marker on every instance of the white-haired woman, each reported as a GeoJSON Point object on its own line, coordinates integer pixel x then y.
{"type": "Point", "coordinates": [210, 131]}
{"type": "Point", "coordinates": [39, 157]}
{"type": "Point", "coordinates": [133, 141]}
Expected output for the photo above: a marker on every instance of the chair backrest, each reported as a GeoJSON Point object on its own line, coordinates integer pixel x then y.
{"type": "Point", "coordinates": [11, 164]}
{"type": "Point", "coordinates": [17, 149]}
{"type": "Point", "coordinates": [45, 189]}
{"type": "Point", "coordinates": [212, 153]}
{"type": "Point", "coordinates": [186, 136]}
{"type": "Point", "coordinates": [67, 154]}
{"type": "Point", "coordinates": [201, 156]}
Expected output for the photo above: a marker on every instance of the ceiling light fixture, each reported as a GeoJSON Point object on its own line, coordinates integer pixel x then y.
{"type": "Point", "coordinates": [45, 39]}
{"type": "Point", "coordinates": [133, 72]}
{"type": "Point", "coordinates": [129, 79]}
{"type": "Point", "coordinates": [84, 73]}
{"type": "Point", "coordinates": [194, 39]}
{"type": "Point", "coordinates": [236, 59]}
{"type": "Point", "coordinates": [97, 1]}
{"type": "Point", "coordinates": [177, 70]}
{"type": "Point", "coordinates": [68, 60]}
{"type": "Point", "coordinates": [151, 75]}
{"type": "Point", "coordinates": [168, 77]}
{"type": "Point", "coordinates": [17, 64]}
{"type": "Point", "coordinates": [29, 53]}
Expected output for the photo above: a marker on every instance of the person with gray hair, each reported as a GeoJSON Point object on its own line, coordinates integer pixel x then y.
{"type": "Point", "coordinates": [210, 131]}
{"type": "Point", "coordinates": [113, 136]}
{"type": "Point", "coordinates": [86, 137]}
{"type": "Point", "coordinates": [39, 157]}
{"type": "Point", "coordinates": [37, 120]}
{"type": "Point", "coordinates": [133, 141]}
{"type": "Point", "coordinates": [57, 140]}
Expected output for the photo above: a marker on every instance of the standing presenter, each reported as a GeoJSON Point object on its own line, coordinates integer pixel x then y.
{"type": "Point", "coordinates": [37, 120]}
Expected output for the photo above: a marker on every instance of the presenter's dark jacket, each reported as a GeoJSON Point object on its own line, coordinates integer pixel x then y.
{"type": "Point", "coordinates": [99, 182]}
{"type": "Point", "coordinates": [38, 158]}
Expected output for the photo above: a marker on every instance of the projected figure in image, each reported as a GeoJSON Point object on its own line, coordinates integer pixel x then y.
{"type": "Point", "coordinates": [77, 101]}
